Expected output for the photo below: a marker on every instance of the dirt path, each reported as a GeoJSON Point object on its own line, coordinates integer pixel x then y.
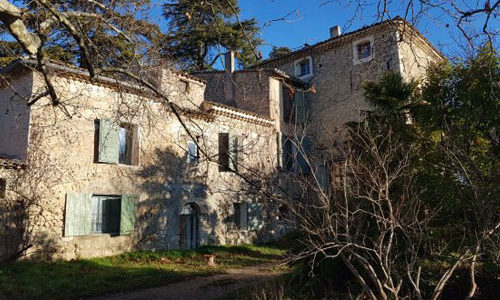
{"type": "Point", "coordinates": [201, 288]}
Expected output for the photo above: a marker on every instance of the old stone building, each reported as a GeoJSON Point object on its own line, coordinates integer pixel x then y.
{"type": "Point", "coordinates": [112, 168]}
{"type": "Point", "coordinates": [115, 167]}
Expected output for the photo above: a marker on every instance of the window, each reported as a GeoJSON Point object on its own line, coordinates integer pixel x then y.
{"type": "Point", "coordinates": [293, 158]}
{"type": "Point", "coordinates": [116, 142]}
{"type": "Point", "coordinates": [228, 152]}
{"type": "Point", "coordinates": [3, 188]}
{"type": "Point", "coordinates": [303, 67]}
{"type": "Point", "coordinates": [106, 213]}
{"type": "Point", "coordinates": [87, 214]}
{"type": "Point", "coordinates": [248, 216]}
{"type": "Point", "coordinates": [192, 153]}
{"type": "Point", "coordinates": [363, 50]}
{"type": "Point", "coordinates": [288, 106]}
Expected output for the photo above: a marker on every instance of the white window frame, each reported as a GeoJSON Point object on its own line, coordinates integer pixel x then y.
{"type": "Point", "coordinates": [355, 44]}
{"type": "Point", "coordinates": [296, 67]}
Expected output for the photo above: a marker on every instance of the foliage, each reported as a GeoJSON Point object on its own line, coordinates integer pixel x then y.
{"type": "Point", "coordinates": [279, 51]}
{"type": "Point", "coordinates": [200, 30]}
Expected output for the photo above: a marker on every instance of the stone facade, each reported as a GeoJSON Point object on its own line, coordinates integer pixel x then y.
{"type": "Point", "coordinates": [61, 157]}
{"type": "Point", "coordinates": [337, 75]}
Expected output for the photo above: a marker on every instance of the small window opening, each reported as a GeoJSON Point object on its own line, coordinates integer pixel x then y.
{"type": "Point", "coordinates": [364, 50]}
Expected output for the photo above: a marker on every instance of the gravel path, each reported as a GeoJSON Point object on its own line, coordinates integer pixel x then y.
{"type": "Point", "coordinates": [201, 288]}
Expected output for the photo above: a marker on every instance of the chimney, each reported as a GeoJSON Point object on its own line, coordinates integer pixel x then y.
{"type": "Point", "coordinates": [229, 61]}
{"type": "Point", "coordinates": [335, 31]}
{"type": "Point", "coordinates": [228, 77]}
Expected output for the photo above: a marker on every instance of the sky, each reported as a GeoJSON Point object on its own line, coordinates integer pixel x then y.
{"type": "Point", "coordinates": [309, 21]}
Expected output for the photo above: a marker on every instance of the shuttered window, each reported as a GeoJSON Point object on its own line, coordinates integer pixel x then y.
{"type": "Point", "coordinates": [300, 107]}
{"type": "Point", "coordinates": [254, 216]}
{"type": "Point", "coordinates": [87, 214]}
{"type": "Point", "coordinates": [322, 176]}
{"type": "Point", "coordinates": [303, 156]}
{"type": "Point", "coordinates": [228, 152]}
{"type": "Point", "coordinates": [248, 216]}
{"type": "Point", "coordinates": [117, 142]}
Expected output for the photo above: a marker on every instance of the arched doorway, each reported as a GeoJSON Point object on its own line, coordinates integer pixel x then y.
{"type": "Point", "coordinates": [189, 226]}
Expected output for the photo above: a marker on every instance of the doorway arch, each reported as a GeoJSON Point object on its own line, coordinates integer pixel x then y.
{"type": "Point", "coordinates": [189, 226]}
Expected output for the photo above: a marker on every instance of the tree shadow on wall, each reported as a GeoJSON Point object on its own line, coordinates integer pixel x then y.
{"type": "Point", "coordinates": [171, 183]}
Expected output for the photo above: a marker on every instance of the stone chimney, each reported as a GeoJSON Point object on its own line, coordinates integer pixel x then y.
{"type": "Point", "coordinates": [229, 61]}
{"type": "Point", "coordinates": [335, 31]}
{"type": "Point", "coordinates": [228, 77]}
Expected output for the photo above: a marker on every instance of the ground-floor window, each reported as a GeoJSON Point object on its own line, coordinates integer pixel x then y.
{"type": "Point", "coordinates": [87, 213]}
{"type": "Point", "coordinates": [106, 214]}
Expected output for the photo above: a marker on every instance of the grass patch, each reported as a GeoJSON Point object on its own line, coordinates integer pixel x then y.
{"type": "Point", "coordinates": [128, 271]}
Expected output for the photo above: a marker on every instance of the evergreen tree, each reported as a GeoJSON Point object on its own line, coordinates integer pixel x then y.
{"type": "Point", "coordinates": [279, 51]}
{"type": "Point", "coordinates": [199, 31]}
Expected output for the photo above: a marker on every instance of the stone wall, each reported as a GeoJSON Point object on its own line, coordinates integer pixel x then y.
{"type": "Point", "coordinates": [337, 94]}
{"type": "Point", "coordinates": [61, 160]}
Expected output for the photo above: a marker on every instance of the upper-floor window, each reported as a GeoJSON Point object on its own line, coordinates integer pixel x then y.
{"type": "Point", "coordinates": [363, 50]}
{"type": "Point", "coordinates": [116, 142]}
{"type": "Point", "coordinates": [303, 67]}
{"type": "Point", "coordinates": [228, 152]}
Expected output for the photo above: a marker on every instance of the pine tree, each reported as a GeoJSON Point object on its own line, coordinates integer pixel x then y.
{"type": "Point", "coordinates": [199, 31]}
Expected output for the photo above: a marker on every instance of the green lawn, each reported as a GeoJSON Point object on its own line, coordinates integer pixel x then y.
{"type": "Point", "coordinates": [133, 270]}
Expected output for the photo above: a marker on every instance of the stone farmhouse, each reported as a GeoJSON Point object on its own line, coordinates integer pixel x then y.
{"type": "Point", "coordinates": [113, 168]}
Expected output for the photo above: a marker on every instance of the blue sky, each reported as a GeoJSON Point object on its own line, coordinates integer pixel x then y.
{"type": "Point", "coordinates": [311, 20]}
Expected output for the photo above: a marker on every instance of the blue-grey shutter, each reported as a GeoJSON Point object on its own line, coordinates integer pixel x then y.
{"type": "Point", "coordinates": [300, 107]}
{"type": "Point", "coordinates": [127, 215]}
{"type": "Point", "coordinates": [233, 153]}
{"type": "Point", "coordinates": [322, 176]}
{"type": "Point", "coordinates": [109, 141]}
{"type": "Point", "coordinates": [303, 155]}
{"type": "Point", "coordinates": [243, 216]}
{"type": "Point", "coordinates": [77, 219]}
{"type": "Point", "coordinates": [254, 216]}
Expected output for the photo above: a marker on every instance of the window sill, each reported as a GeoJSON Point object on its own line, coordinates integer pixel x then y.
{"type": "Point", "coordinates": [305, 77]}
{"type": "Point", "coordinates": [363, 60]}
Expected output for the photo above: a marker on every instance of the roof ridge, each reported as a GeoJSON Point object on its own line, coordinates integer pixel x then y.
{"type": "Point", "coordinates": [331, 39]}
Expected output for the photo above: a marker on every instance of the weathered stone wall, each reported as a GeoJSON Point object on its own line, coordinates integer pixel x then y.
{"type": "Point", "coordinates": [337, 96]}
{"type": "Point", "coordinates": [61, 160]}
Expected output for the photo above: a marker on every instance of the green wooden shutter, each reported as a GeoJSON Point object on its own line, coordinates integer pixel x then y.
{"type": "Point", "coordinates": [254, 216]}
{"type": "Point", "coordinates": [300, 107]}
{"type": "Point", "coordinates": [223, 151]}
{"type": "Point", "coordinates": [78, 214]}
{"type": "Point", "coordinates": [233, 152]}
{"type": "Point", "coordinates": [109, 141]}
{"type": "Point", "coordinates": [243, 216]}
{"type": "Point", "coordinates": [303, 155]}
{"type": "Point", "coordinates": [127, 216]}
